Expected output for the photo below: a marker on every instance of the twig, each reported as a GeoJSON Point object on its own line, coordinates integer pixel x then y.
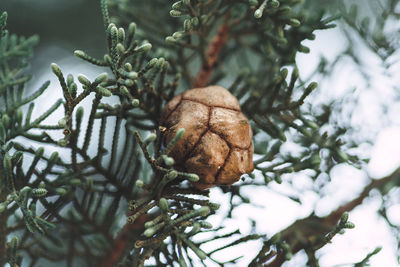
{"type": "Point", "coordinates": [127, 234]}
{"type": "Point", "coordinates": [214, 48]}
{"type": "Point", "coordinates": [301, 232]}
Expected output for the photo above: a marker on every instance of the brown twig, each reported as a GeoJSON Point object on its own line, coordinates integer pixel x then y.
{"type": "Point", "coordinates": [214, 48]}
{"type": "Point", "coordinates": [302, 232]}
{"type": "Point", "coordinates": [127, 234]}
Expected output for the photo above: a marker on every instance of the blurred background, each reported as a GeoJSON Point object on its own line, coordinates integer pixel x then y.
{"type": "Point", "coordinates": [63, 26]}
{"type": "Point", "coordinates": [365, 86]}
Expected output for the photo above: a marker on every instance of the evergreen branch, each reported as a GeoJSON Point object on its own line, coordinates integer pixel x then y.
{"type": "Point", "coordinates": [115, 140]}
{"type": "Point", "coordinates": [82, 55]}
{"type": "Point", "coordinates": [365, 261]}
{"type": "Point", "coordinates": [236, 242]}
{"type": "Point", "coordinates": [38, 155]}
{"type": "Point", "coordinates": [29, 113]}
{"type": "Point", "coordinates": [20, 50]}
{"type": "Point", "coordinates": [100, 147]}
{"type": "Point", "coordinates": [104, 11]}
{"type": "Point", "coordinates": [35, 95]}
{"type": "Point", "coordinates": [312, 227]}
{"type": "Point", "coordinates": [12, 252]}
{"type": "Point", "coordinates": [126, 155]}
{"type": "Point", "coordinates": [87, 209]}
{"type": "Point", "coordinates": [57, 71]}
{"type": "Point", "coordinates": [11, 83]}
{"type": "Point", "coordinates": [3, 22]}
{"type": "Point", "coordinates": [43, 116]}
{"type": "Point", "coordinates": [89, 128]}
{"type": "Point", "coordinates": [128, 233]}
{"type": "Point", "coordinates": [130, 171]}
{"type": "Point", "coordinates": [214, 48]}
{"type": "Point", "coordinates": [49, 127]}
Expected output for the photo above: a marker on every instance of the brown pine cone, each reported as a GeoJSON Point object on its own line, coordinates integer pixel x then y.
{"type": "Point", "coordinates": [217, 145]}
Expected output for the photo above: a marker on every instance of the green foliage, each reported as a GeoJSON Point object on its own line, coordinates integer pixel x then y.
{"type": "Point", "coordinates": [71, 207]}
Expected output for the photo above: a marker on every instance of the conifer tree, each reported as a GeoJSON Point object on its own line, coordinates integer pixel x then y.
{"type": "Point", "coordinates": [118, 189]}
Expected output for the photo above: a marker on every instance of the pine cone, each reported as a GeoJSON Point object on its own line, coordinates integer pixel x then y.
{"type": "Point", "coordinates": [217, 145]}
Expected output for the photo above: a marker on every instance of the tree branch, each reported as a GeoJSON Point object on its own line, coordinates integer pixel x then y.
{"type": "Point", "coordinates": [214, 48]}
{"type": "Point", "coordinates": [126, 235]}
{"type": "Point", "coordinates": [306, 231]}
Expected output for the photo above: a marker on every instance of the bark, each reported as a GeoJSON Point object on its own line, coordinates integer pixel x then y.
{"type": "Point", "coordinates": [214, 48]}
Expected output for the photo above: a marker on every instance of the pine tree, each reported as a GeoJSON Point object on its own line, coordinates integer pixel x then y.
{"type": "Point", "coordinates": [112, 194]}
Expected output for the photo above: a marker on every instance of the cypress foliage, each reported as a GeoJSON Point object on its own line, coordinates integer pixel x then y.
{"type": "Point", "coordinates": [110, 194]}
